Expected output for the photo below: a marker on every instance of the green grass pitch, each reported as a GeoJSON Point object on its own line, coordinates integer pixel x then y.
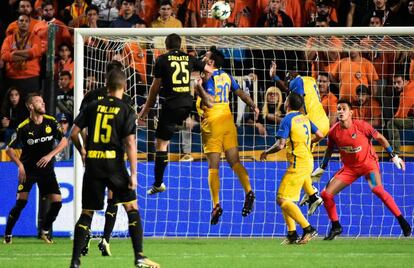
{"type": "Point", "coordinates": [209, 252]}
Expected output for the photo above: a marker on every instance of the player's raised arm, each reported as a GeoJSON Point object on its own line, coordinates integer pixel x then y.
{"type": "Point", "coordinates": [398, 162]}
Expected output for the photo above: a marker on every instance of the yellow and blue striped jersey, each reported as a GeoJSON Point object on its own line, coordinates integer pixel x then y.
{"type": "Point", "coordinates": [306, 86]}
{"type": "Point", "coordinates": [219, 86]}
{"type": "Point", "coordinates": [296, 128]}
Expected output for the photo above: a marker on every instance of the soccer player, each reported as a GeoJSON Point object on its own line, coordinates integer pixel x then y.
{"type": "Point", "coordinates": [353, 139]}
{"type": "Point", "coordinates": [111, 208]}
{"type": "Point", "coordinates": [295, 134]}
{"type": "Point", "coordinates": [110, 123]}
{"type": "Point", "coordinates": [306, 87]}
{"type": "Point", "coordinates": [219, 132]}
{"type": "Point", "coordinates": [37, 135]}
{"type": "Point", "coordinates": [172, 72]}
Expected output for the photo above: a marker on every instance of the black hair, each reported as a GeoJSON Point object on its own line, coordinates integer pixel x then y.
{"type": "Point", "coordinates": [47, 3]}
{"type": "Point", "coordinates": [92, 7]}
{"type": "Point", "coordinates": [347, 102]}
{"type": "Point", "coordinates": [295, 101]}
{"type": "Point", "coordinates": [173, 41]}
{"type": "Point", "coordinates": [65, 73]}
{"type": "Point", "coordinates": [30, 96]}
{"type": "Point", "coordinates": [166, 2]}
{"type": "Point", "coordinates": [324, 74]}
{"type": "Point", "coordinates": [116, 79]}
{"type": "Point", "coordinates": [217, 56]}
{"type": "Point", "coordinates": [113, 64]}
{"type": "Point", "coordinates": [363, 89]}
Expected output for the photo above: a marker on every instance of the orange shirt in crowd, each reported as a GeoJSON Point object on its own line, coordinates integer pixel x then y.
{"type": "Point", "coordinates": [139, 55]}
{"type": "Point", "coordinates": [406, 107]}
{"type": "Point", "coordinates": [293, 8]}
{"type": "Point", "coordinates": [243, 14]}
{"type": "Point", "coordinates": [203, 13]}
{"type": "Point", "coordinates": [69, 66]}
{"type": "Point", "coordinates": [38, 4]}
{"type": "Point", "coordinates": [78, 13]}
{"type": "Point", "coordinates": [352, 74]}
{"type": "Point", "coordinates": [13, 26]}
{"type": "Point", "coordinates": [149, 12]}
{"type": "Point", "coordinates": [325, 61]}
{"type": "Point", "coordinates": [367, 112]}
{"type": "Point", "coordinates": [261, 7]}
{"type": "Point", "coordinates": [329, 103]}
{"type": "Point", "coordinates": [62, 33]}
{"type": "Point", "coordinates": [29, 68]}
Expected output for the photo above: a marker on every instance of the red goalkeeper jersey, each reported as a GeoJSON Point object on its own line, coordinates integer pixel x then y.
{"type": "Point", "coordinates": [354, 143]}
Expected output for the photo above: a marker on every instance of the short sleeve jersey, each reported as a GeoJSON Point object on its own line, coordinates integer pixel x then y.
{"type": "Point", "coordinates": [296, 128]}
{"type": "Point", "coordinates": [354, 143]}
{"type": "Point", "coordinates": [109, 121]}
{"type": "Point", "coordinates": [219, 86]}
{"type": "Point", "coordinates": [37, 141]}
{"type": "Point", "coordinates": [175, 68]}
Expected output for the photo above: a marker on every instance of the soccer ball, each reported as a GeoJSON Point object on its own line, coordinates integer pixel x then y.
{"type": "Point", "coordinates": [220, 10]}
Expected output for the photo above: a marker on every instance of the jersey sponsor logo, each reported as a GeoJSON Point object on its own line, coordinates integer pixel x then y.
{"type": "Point", "coordinates": [181, 89]}
{"type": "Point", "coordinates": [101, 154]}
{"type": "Point", "coordinates": [41, 140]}
{"type": "Point", "coordinates": [31, 133]}
{"type": "Point", "coordinates": [350, 149]}
{"type": "Point", "coordinates": [48, 129]}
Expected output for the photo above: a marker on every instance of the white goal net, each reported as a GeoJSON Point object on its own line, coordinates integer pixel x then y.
{"type": "Point", "coordinates": [356, 61]}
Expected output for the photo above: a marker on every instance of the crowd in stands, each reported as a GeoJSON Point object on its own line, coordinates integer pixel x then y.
{"type": "Point", "coordinates": [380, 84]}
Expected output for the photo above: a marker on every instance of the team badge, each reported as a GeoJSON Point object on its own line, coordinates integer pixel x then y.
{"type": "Point", "coordinates": [354, 136]}
{"type": "Point", "coordinates": [358, 75]}
{"type": "Point", "coordinates": [48, 129]}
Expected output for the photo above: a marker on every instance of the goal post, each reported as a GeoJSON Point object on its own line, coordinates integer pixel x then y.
{"type": "Point", "coordinates": [184, 209]}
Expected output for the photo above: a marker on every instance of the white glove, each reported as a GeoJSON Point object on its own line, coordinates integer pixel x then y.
{"type": "Point", "coordinates": [316, 174]}
{"type": "Point", "coordinates": [398, 162]}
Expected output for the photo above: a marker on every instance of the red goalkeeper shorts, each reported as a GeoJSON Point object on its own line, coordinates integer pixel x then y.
{"type": "Point", "coordinates": [350, 174]}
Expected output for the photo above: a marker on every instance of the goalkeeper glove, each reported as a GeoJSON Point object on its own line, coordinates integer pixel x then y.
{"type": "Point", "coordinates": [398, 162]}
{"type": "Point", "coordinates": [316, 174]}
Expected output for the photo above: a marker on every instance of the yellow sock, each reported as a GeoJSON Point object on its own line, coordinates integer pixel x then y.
{"type": "Point", "coordinates": [214, 184]}
{"type": "Point", "coordinates": [307, 186]}
{"type": "Point", "coordinates": [294, 212]}
{"type": "Point", "coordinates": [241, 172]}
{"type": "Point", "coordinates": [290, 223]}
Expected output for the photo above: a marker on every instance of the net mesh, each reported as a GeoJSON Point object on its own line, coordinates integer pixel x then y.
{"type": "Point", "coordinates": [184, 209]}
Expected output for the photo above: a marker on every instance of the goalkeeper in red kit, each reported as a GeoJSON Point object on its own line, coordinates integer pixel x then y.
{"type": "Point", "coordinates": [353, 139]}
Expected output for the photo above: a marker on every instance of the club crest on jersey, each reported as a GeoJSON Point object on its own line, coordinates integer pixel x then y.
{"type": "Point", "coordinates": [48, 129]}
{"type": "Point", "coordinates": [354, 136]}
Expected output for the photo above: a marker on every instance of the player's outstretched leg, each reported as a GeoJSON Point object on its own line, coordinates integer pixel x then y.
{"type": "Point", "coordinates": [215, 214]}
{"type": "Point", "coordinates": [12, 219]}
{"type": "Point", "coordinates": [82, 229]}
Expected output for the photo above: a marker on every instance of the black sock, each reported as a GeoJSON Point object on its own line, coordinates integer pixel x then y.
{"type": "Point", "coordinates": [307, 229]}
{"type": "Point", "coordinates": [312, 198]}
{"type": "Point", "coordinates": [336, 224]}
{"type": "Point", "coordinates": [51, 215]}
{"type": "Point", "coordinates": [161, 161]}
{"type": "Point", "coordinates": [110, 217]}
{"type": "Point", "coordinates": [135, 231]}
{"type": "Point", "coordinates": [291, 233]}
{"type": "Point", "coordinates": [14, 215]}
{"type": "Point", "coordinates": [82, 228]}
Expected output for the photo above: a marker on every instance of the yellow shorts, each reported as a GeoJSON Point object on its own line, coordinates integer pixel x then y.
{"type": "Point", "coordinates": [292, 182]}
{"type": "Point", "coordinates": [219, 136]}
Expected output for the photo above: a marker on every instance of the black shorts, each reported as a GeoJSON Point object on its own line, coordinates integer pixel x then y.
{"type": "Point", "coordinates": [47, 184]}
{"type": "Point", "coordinates": [93, 190]}
{"type": "Point", "coordinates": [168, 121]}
